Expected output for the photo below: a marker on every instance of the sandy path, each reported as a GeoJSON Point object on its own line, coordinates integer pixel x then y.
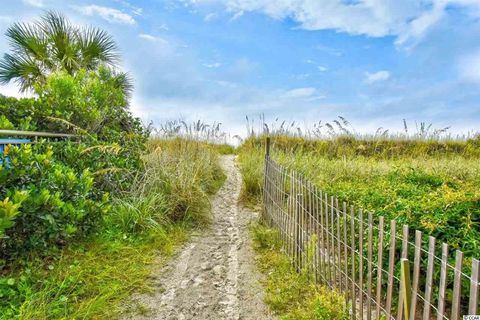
{"type": "Point", "coordinates": [213, 276]}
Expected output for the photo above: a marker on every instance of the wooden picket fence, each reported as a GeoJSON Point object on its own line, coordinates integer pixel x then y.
{"type": "Point", "coordinates": [367, 261]}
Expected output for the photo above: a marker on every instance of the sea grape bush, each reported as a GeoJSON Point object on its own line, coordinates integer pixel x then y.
{"type": "Point", "coordinates": [9, 210]}
{"type": "Point", "coordinates": [45, 202]}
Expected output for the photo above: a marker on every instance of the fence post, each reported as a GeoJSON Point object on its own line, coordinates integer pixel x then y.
{"type": "Point", "coordinates": [406, 286]}
{"type": "Point", "coordinates": [298, 233]}
{"type": "Point", "coordinates": [265, 181]}
{"type": "Point", "coordinates": [267, 147]}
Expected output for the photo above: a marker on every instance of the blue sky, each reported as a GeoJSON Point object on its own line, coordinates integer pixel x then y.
{"type": "Point", "coordinates": [374, 62]}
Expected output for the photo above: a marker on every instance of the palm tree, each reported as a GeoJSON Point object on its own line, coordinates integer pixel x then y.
{"type": "Point", "coordinates": [53, 44]}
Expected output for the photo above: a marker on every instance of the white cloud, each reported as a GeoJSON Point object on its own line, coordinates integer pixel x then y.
{"type": "Point", "coordinates": [469, 67]}
{"type": "Point", "coordinates": [302, 76]}
{"type": "Point", "coordinates": [163, 26]}
{"type": "Point", "coordinates": [109, 14]}
{"type": "Point", "coordinates": [209, 17]}
{"type": "Point", "coordinates": [34, 3]}
{"type": "Point", "coordinates": [376, 76]}
{"type": "Point", "coordinates": [420, 26]}
{"type": "Point", "coordinates": [328, 50]}
{"type": "Point", "coordinates": [408, 20]}
{"type": "Point", "coordinates": [152, 38]}
{"type": "Point", "coordinates": [315, 98]}
{"type": "Point", "coordinates": [137, 11]}
{"type": "Point", "coordinates": [307, 94]}
{"type": "Point", "coordinates": [148, 37]}
{"type": "Point", "coordinates": [227, 84]}
{"type": "Point", "coordinates": [300, 93]}
{"type": "Point", "coordinates": [322, 68]}
{"type": "Point", "coordinates": [237, 15]}
{"type": "Point", "coordinates": [134, 9]}
{"type": "Point", "coordinates": [212, 65]}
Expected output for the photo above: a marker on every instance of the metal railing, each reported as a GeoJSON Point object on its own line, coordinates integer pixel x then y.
{"type": "Point", "coordinates": [34, 134]}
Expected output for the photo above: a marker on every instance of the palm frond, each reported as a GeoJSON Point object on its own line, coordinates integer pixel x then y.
{"type": "Point", "coordinates": [125, 82]}
{"type": "Point", "coordinates": [25, 39]}
{"type": "Point", "coordinates": [61, 36]}
{"type": "Point", "coordinates": [96, 47]}
{"type": "Point", "coordinates": [22, 69]}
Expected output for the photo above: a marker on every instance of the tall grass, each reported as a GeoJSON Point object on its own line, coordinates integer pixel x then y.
{"type": "Point", "coordinates": [196, 130]}
{"type": "Point", "coordinates": [90, 280]}
{"type": "Point", "coordinates": [209, 133]}
{"type": "Point", "coordinates": [341, 127]}
{"type": "Point", "coordinates": [179, 177]}
{"type": "Point", "coordinates": [251, 160]}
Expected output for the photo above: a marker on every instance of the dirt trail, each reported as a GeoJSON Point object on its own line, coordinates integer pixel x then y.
{"type": "Point", "coordinates": [213, 276]}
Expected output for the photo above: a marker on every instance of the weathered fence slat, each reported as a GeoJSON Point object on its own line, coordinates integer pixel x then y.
{"type": "Point", "coordinates": [442, 287]}
{"type": "Point", "coordinates": [404, 255]}
{"type": "Point", "coordinates": [429, 279]}
{"type": "Point", "coordinates": [328, 239]}
{"type": "Point", "coordinates": [474, 284]}
{"type": "Point", "coordinates": [405, 286]}
{"type": "Point", "coordinates": [391, 266]}
{"type": "Point", "coordinates": [360, 263]}
{"type": "Point", "coordinates": [369, 265]}
{"type": "Point", "coordinates": [416, 274]}
{"type": "Point", "coordinates": [311, 232]}
{"type": "Point", "coordinates": [345, 248]}
{"type": "Point", "coordinates": [341, 278]}
{"type": "Point", "coordinates": [322, 239]}
{"type": "Point", "coordinates": [380, 265]}
{"type": "Point", "coordinates": [332, 247]}
{"type": "Point", "coordinates": [457, 286]}
{"type": "Point", "coordinates": [352, 236]}
{"type": "Point", "coordinates": [318, 268]}
{"type": "Point", "coordinates": [298, 252]}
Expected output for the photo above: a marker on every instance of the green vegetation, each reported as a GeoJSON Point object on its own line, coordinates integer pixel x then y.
{"type": "Point", "coordinates": [426, 180]}
{"type": "Point", "coordinates": [433, 187]}
{"type": "Point", "coordinates": [251, 160]}
{"type": "Point", "coordinates": [288, 293]}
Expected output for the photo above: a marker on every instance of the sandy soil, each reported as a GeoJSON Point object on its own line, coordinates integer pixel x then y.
{"type": "Point", "coordinates": [213, 276]}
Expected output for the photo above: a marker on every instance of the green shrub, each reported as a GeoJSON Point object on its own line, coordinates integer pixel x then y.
{"type": "Point", "coordinates": [9, 209]}
{"type": "Point", "coordinates": [50, 203]}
